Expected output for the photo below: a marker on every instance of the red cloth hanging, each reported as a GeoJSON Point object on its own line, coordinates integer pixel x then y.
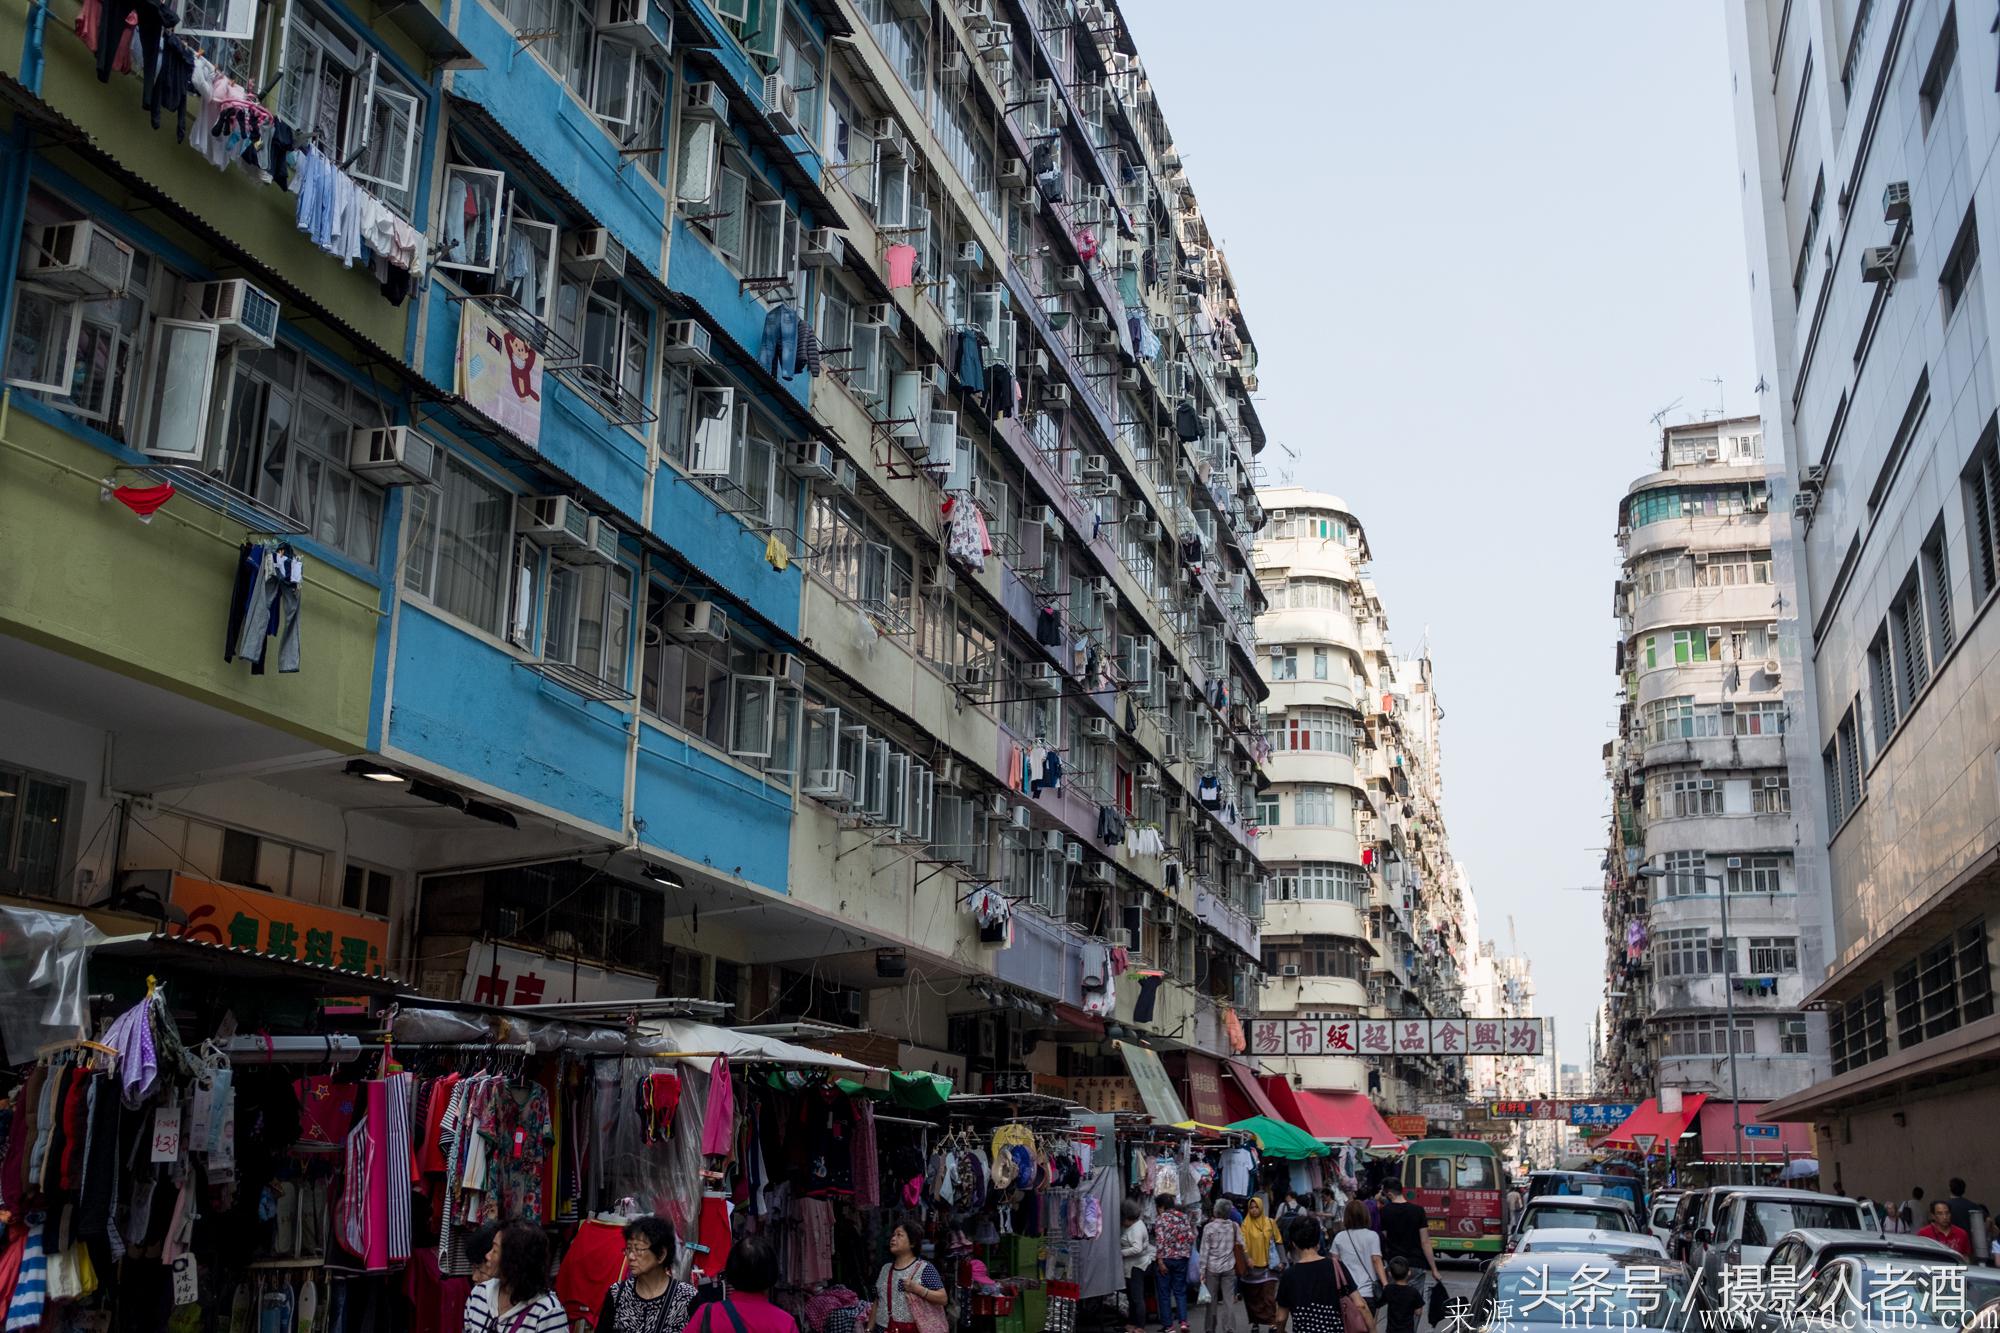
{"type": "Point", "coordinates": [143, 500]}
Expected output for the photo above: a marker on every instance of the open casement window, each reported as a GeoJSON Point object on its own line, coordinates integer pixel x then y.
{"type": "Point", "coordinates": [824, 776]}
{"type": "Point", "coordinates": [713, 438]}
{"type": "Point", "coordinates": [528, 270]}
{"type": "Point", "coordinates": [896, 802]}
{"type": "Point", "coordinates": [874, 800]}
{"type": "Point", "coordinates": [695, 176]}
{"type": "Point", "coordinates": [729, 225]}
{"type": "Point", "coordinates": [735, 11]}
{"type": "Point", "coordinates": [785, 721]}
{"type": "Point", "coordinates": [614, 81]}
{"type": "Point", "coordinates": [475, 204]}
{"type": "Point", "coordinates": [182, 386]}
{"type": "Point", "coordinates": [521, 595]}
{"type": "Point", "coordinates": [959, 477]}
{"type": "Point", "coordinates": [919, 803]}
{"type": "Point", "coordinates": [774, 241]}
{"type": "Point", "coordinates": [235, 20]}
{"type": "Point", "coordinates": [41, 353]}
{"type": "Point", "coordinates": [875, 576]}
{"type": "Point", "coordinates": [864, 373]}
{"type": "Point", "coordinates": [388, 148]}
{"type": "Point", "coordinates": [892, 190]}
{"type": "Point", "coordinates": [335, 90]}
{"type": "Point", "coordinates": [752, 710]}
{"type": "Point", "coordinates": [987, 299]}
{"type": "Point", "coordinates": [763, 26]}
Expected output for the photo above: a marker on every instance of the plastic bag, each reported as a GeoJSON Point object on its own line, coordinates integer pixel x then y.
{"type": "Point", "coordinates": [42, 958]}
{"type": "Point", "coordinates": [1204, 1296]}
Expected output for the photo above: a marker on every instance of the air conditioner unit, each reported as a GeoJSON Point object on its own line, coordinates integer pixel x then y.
{"type": "Point", "coordinates": [1104, 588]}
{"type": "Point", "coordinates": [1813, 477]}
{"type": "Point", "coordinates": [969, 675]}
{"type": "Point", "coordinates": [1772, 783]}
{"type": "Point", "coordinates": [1021, 817]}
{"type": "Point", "coordinates": [702, 620]}
{"type": "Point", "coordinates": [1170, 748]}
{"type": "Point", "coordinates": [956, 70]}
{"type": "Point", "coordinates": [890, 139]}
{"type": "Point", "coordinates": [1895, 201]}
{"type": "Point", "coordinates": [998, 51]}
{"type": "Point", "coordinates": [705, 101]}
{"type": "Point", "coordinates": [1096, 469]}
{"type": "Point", "coordinates": [1073, 852]}
{"type": "Point", "coordinates": [1734, 862]}
{"type": "Point", "coordinates": [1040, 516]}
{"type": "Point", "coordinates": [245, 313]}
{"type": "Point", "coordinates": [1715, 631]}
{"type": "Point", "coordinates": [1103, 872]}
{"type": "Point", "coordinates": [1244, 768]}
{"type": "Point", "coordinates": [1042, 678]}
{"type": "Point", "coordinates": [1069, 278]}
{"type": "Point", "coordinates": [1098, 728]}
{"type": "Point", "coordinates": [594, 251]}
{"type": "Point", "coordinates": [78, 259]}
{"type": "Point", "coordinates": [978, 14]}
{"type": "Point", "coordinates": [875, 315]}
{"type": "Point", "coordinates": [1055, 395]}
{"type": "Point", "coordinates": [1013, 174]}
{"type": "Point", "coordinates": [811, 459]}
{"type": "Point", "coordinates": [601, 545]}
{"type": "Point", "coordinates": [1772, 668]}
{"type": "Point", "coordinates": [1098, 319]}
{"type": "Point", "coordinates": [1708, 784]}
{"type": "Point", "coordinates": [785, 668]}
{"type": "Point", "coordinates": [1149, 775]}
{"type": "Point", "coordinates": [686, 342]}
{"type": "Point", "coordinates": [1878, 263]}
{"type": "Point", "coordinates": [555, 521]}
{"type": "Point", "coordinates": [631, 21]}
{"type": "Point", "coordinates": [969, 254]}
{"type": "Point", "coordinates": [1154, 533]}
{"type": "Point", "coordinates": [846, 476]}
{"type": "Point", "coordinates": [1053, 840]}
{"type": "Point", "coordinates": [1288, 970]}
{"type": "Point", "coordinates": [1128, 378]}
{"type": "Point", "coordinates": [822, 247]}
{"type": "Point", "coordinates": [835, 786]}
{"type": "Point", "coordinates": [393, 456]}
{"type": "Point", "coordinates": [1126, 939]}
{"type": "Point", "coordinates": [781, 105]}
{"type": "Point", "coordinates": [999, 806]}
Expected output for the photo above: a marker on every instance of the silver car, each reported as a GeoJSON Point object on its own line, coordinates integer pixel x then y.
{"type": "Point", "coordinates": [1884, 1294]}
{"type": "Point", "coordinates": [1634, 1290]}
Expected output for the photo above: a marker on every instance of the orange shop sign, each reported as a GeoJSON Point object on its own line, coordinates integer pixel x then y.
{"type": "Point", "coordinates": [282, 927]}
{"type": "Point", "coordinates": [1407, 1126]}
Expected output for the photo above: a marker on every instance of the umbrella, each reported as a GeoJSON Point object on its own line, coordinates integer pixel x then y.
{"type": "Point", "coordinates": [1799, 1169]}
{"type": "Point", "coordinates": [1280, 1141]}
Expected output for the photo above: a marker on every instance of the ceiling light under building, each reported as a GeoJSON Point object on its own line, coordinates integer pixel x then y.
{"type": "Point", "coordinates": [374, 772]}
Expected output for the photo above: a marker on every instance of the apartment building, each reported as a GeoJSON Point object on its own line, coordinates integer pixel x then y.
{"type": "Point", "coordinates": [766, 492]}
{"type": "Point", "coordinates": [1866, 134]}
{"type": "Point", "coordinates": [1503, 985]}
{"type": "Point", "coordinates": [1365, 917]}
{"type": "Point", "coordinates": [1703, 926]}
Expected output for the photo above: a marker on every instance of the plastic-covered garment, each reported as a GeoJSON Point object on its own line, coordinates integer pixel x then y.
{"type": "Point", "coordinates": [42, 978]}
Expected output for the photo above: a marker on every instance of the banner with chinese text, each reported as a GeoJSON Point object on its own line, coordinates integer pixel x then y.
{"type": "Point", "coordinates": [1396, 1036]}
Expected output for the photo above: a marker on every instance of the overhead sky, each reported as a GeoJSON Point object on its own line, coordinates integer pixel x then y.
{"type": "Point", "coordinates": [1479, 246]}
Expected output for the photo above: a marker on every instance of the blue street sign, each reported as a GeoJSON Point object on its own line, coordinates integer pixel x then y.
{"type": "Point", "coordinates": [1600, 1115]}
{"type": "Point", "coordinates": [1760, 1131]}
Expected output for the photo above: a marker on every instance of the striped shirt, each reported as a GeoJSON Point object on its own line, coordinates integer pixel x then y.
{"type": "Point", "coordinates": [544, 1314]}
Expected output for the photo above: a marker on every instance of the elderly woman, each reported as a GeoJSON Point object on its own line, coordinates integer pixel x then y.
{"type": "Point", "coordinates": [647, 1299]}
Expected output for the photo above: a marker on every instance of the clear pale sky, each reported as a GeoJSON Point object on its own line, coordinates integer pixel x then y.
{"type": "Point", "coordinates": [1479, 246]}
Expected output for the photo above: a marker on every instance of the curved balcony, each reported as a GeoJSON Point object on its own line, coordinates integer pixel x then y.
{"type": "Point", "coordinates": [1717, 751]}
{"type": "Point", "coordinates": [1703, 680]}
{"type": "Point", "coordinates": [1314, 916]}
{"type": "Point", "coordinates": [1308, 557]}
{"type": "Point", "coordinates": [1683, 996]}
{"type": "Point", "coordinates": [1310, 624]}
{"type": "Point", "coordinates": [1718, 834]}
{"type": "Point", "coordinates": [1294, 842]}
{"type": "Point", "coordinates": [1749, 913]}
{"type": "Point", "coordinates": [1312, 693]}
{"type": "Point", "coordinates": [1692, 608]}
{"type": "Point", "coordinates": [1700, 534]}
{"type": "Point", "coordinates": [1311, 766]}
{"type": "Point", "coordinates": [1328, 1073]}
{"type": "Point", "coordinates": [1761, 1077]}
{"type": "Point", "coordinates": [1284, 995]}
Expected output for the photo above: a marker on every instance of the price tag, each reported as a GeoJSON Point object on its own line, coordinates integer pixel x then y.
{"type": "Point", "coordinates": [167, 1134]}
{"type": "Point", "coordinates": [187, 1281]}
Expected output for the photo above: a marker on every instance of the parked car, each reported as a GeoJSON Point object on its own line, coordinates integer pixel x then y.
{"type": "Point", "coordinates": [1857, 1293]}
{"type": "Point", "coordinates": [1748, 1222]}
{"type": "Point", "coordinates": [1808, 1249]}
{"type": "Point", "coordinates": [1660, 1214]}
{"type": "Point", "coordinates": [1579, 1241]}
{"type": "Point", "coordinates": [1587, 1291]}
{"type": "Point", "coordinates": [1575, 1212]}
{"type": "Point", "coordinates": [1691, 1215]}
{"type": "Point", "coordinates": [1593, 1184]}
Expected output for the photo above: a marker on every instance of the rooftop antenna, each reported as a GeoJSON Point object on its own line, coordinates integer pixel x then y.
{"type": "Point", "coordinates": [1719, 400]}
{"type": "Point", "coordinates": [1660, 416]}
{"type": "Point", "coordinates": [1285, 474]}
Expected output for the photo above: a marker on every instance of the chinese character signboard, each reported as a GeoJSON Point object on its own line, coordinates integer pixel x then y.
{"type": "Point", "coordinates": [283, 927]}
{"type": "Point", "coordinates": [1446, 1112]}
{"type": "Point", "coordinates": [499, 975]}
{"type": "Point", "coordinates": [1600, 1115]}
{"type": "Point", "coordinates": [1406, 1126]}
{"type": "Point", "coordinates": [1106, 1094]}
{"type": "Point", "coordinates": [1528, 1110]}
{"type": "Point", "coordinates": [1400, 1036]}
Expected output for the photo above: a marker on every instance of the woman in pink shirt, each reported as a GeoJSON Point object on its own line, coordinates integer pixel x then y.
{"type": "Point", "coordinates": [750, 1274]}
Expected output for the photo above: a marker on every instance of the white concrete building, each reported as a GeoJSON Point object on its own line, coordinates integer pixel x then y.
{"type": "Point", "coordinates": [1867, 133]}
{"type": "Point", "coordinates": [1364, 917]}
{"type": "Point", "coordinates": [1704, 769]}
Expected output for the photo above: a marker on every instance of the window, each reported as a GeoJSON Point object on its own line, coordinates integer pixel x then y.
{"type": "Point", "coordinates": [459, 545]}
{"type": "Point", "coordinates": [1980, 484]}
{"type": "Point", "coordinates": [365, 889]}
{"type": "Point", "coordinates": [723, 692]}
{"type": "Point", "coordinates": [1937, 74]}
{"type": "Point", "coordinates": [1948, 985]}
{"type": "Point", "coordinates": [588, 617]}
{"type": "Point", "coordinates": [34, 830]}
{"type": "Point", "coordinates": [1771, 794]}
{"type": "Point", "coordinates": [1682, 792]}
{"type": "Point", "coordinates": [1319, 664]}
{"type": "Point", "coordinates": [1757, 874]}
{"type": "Point", "coordinates": [1686, 874]}
{"type": "Point", "coordinates": [1688, 952]}
{"type": "Point", "coordinates": [1858, 1030]}
{"type": "Point", "coordinates": [1792, 1036]}
{"type": "Point", "coordinates": [1284, 664]}
{"type": "Point", "coordinates": [290, 420]}
{"type": "Point", "coordinates": [1733, 569]}
{"type": "Point", "coordinates": [1762, 717]}
{"type": "Point", "coordinates": [1719, 501]}
{"type": "Point", "coordinates": [1960, 264]}
{"type": "Point", "coordinates": [1707, 1036]}
{"type": "Point", "coordinates": [1316, 956]}
{"type": "Point", "coordinates": [1772, 955]}
{"type": "Point", "coordinates": [1267, 811]}
{"type": "Point", "coordinates": [1318, 730]}
{"type": "Point", "coordinates": [1804, 264]}
{"type": "Point", "coordinates": [1326, 807]}
{"type": "Point", "coordinates": [332, 85]}
{"type": "Point", "coordinates": [1324, 881]}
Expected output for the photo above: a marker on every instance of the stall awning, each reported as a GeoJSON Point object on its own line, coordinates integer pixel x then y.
{"type": "Point", "coordinates": [1242, 1095]}
{"type": "Point", "coordinates": [1334, 1117]}
{"type": "Point", "coordinates": [1156, 1090]}
{"type": "Point", "coordinates": [1280, 1141]}
{"type": "Point", "coordinates": [1666, 1127]}
{"type": "Point", "coordinates": [678, 1034]}
{"type": "Point", "coordinates": [1718, 1135]}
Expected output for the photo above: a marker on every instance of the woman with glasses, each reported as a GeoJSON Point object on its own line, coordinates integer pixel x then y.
{"type": "Point", "coordinates": [647, 1299]}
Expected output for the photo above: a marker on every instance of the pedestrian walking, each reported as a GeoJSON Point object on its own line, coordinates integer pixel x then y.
{"type": "Point", "coordinates": [1221, 1240]}
{"type": "Point", "coordinates": [1914, 1212]}
{"type": "Point", "coordinates": [1174, 1238]}
{"type": "Point", "coordinates": [1135, 1246]}
{"type": "Point", "coordinates": [1263, 1258]}
{"type": "Point", "coordinates": [1945, 1231]}
{"type": "Point", "coordinates": [1359, 1251]}
{"type": "Point", "coordinates": [1310, 1292]}
{"type": "Point", "coordinates": [1406, 1235]}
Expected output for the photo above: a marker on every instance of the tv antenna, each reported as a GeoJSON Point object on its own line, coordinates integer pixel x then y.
{"type": "Point", "coordinates": [1660, 416]}
{"type": "Point", "coordinates": [1720, 410]}
{"type": "Point", "coordinates": [1285, 474]}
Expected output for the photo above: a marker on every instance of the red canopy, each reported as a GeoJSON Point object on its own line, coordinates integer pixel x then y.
{"type": "Point", "coordinates": [1718, 1135]}
{"type": "Point", "coordinates": [1666, 1128]}
{"type": "Point", "coordinates": [1243, 1095]}
{"type": "Point", "coordinates": [1332, 1116]}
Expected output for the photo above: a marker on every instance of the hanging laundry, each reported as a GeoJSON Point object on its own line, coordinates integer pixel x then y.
{"type": "Point", "coordinates": [1048, 627]}
{"type": "Point", "coordinates": [144, 501]}
{"type": "Point", "coordinates": [901, 261]}
{"type": "Point", "coordinates": [778, 350]}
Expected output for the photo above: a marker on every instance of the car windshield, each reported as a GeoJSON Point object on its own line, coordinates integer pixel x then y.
{"type": "Point", "coordinates": [1586, 1219]}
{"type": "Point", "coordinates": [1765, 1220]}
{"type": "Point", "coordinates": [1579, 1246]}
{"type": "Point", "coordinates": [1587, 1295]}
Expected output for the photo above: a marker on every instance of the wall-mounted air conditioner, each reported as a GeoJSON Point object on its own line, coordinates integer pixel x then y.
{"type": "Point", "coordinates": [702, 621]}
{"type": "Point", "coordinates": [393, 456]}
{"type": "Point", "coordinates": [705, 101]}
{"type": "Point", "coordinates": [77, 259]}
{"type": "Point", "coordinates": [555, 521]}
{"type": "Point", "coordinates": [246, 314]}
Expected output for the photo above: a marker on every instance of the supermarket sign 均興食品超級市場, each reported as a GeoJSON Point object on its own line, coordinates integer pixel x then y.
{"type": "Point", "coordinates": [1391, 1036]}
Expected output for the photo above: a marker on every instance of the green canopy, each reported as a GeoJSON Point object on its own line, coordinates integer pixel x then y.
{"type": "Point", "coordinates": [1285, 1143]}
{"type": "Point", "coordinates": [920, 1091]}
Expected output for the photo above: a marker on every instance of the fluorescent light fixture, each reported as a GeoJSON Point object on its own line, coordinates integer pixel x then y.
{"type": "Point", "coordinates": [374, 772]}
